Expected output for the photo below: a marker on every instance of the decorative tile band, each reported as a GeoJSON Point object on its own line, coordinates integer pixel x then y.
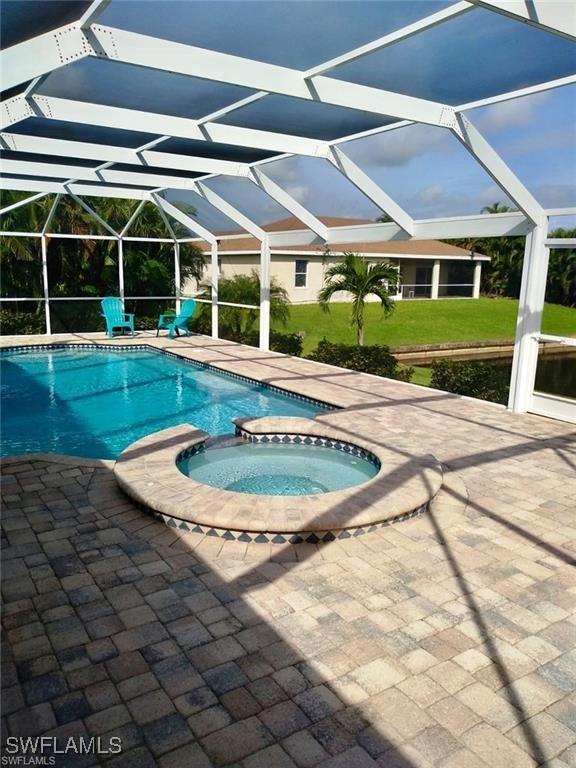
{"type": "Point", "coordinates": [320, 404]}
{"type": "Point", "coordinates": [302, 537]}
{"type": "Point", "coordinates": [287, 438]}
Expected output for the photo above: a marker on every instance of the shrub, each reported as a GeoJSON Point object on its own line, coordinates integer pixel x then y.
{"type": "Point", "coordinates": [145, 323]}
{"type": "Point", "coordinates": [471, 378]}
{"type": "Point", "coordinates": [20, 323]}
{"type": "Point", "coordinates": [374, 359]}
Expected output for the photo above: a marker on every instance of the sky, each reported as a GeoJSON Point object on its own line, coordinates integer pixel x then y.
{"type": "Point", "coordinates": [425, 169]}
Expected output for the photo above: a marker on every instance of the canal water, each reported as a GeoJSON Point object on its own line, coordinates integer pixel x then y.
{"type": "Point", "coordinates": [555, 374]}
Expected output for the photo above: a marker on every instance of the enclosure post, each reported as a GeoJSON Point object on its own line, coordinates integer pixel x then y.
{"type": "Point", "coordinates": [435, 279]}
{"type": "Point", "coordinates": [265, 295]}
{"type": "Point", "coordinates": [121, 270]}
{"type": "Point", "coordinates": [214, 283]}
{"type": "Point", "coordinates": [45, 284]}
{"type": "Point", "coordinates": [529, 321]}
{"type": "Point", "coordinates": [477, 279]}
{"type": "Point", "coordinates": [177, 275]}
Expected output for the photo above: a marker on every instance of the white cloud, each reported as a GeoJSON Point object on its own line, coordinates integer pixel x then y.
{"type": "Point", "coordinates": [299, 192]}
{"type": "Point", "coordinates": [398, 147]}
{"type": "Point", "coordinates": [439, 200]}
{"type": "Point", "coordinates": [431, 194]}
{"type": "Point", "coordinates": [509, 114]}
{"type": "Point", "coordinates": [556, 195]}
{"type": "Point", "coordinates": [492, 194]}
{"type": "Point", "coordinates": [540, 141]}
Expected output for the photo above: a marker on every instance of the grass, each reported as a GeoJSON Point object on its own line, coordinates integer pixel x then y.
{"type": "Point", "coordinates": [421, 375]}
{"type": "Point", "coordinates": [424, 322]}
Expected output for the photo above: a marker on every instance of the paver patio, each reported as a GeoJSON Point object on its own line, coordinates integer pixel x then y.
{"type": "Point", "coordinates": [447, 640]}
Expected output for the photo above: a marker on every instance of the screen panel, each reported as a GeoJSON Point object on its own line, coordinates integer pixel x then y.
{"type": "Point", "coordinates": [249, 199]}
{"type": "Point", "coordinates": [22, 19]}
{"type": "Point", "coordinates": [283, 114]}
{"type": "Point", "coordinates": [212, 150]}
{"type": "Point", "coordinates": [297, 34]}
{"type": "Point", "coordinates": [427, 171]}
{"type": "Point", "coordinates": [92, 134]}
{"type": "Point", "coordinates": [205, 214]}
{"type": "Point", "coordinates": [470, 57]}
{"type": "Point", "coordinates": [321, 188]}
{"type": "Point", "coordinates": [117, 84]}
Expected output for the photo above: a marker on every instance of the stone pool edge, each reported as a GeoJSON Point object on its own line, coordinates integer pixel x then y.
{"type": "Point", "coordinates": [146, 471]}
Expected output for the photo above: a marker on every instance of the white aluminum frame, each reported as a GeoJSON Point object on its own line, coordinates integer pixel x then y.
{"type": "Point", "coordinates": [36, 58]}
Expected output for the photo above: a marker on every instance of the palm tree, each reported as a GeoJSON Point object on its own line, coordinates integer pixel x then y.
{"type": "Point", "coordinates": [496, 208]}
{"type": "Point", "coordinates": [245, 289]}
{"type": "Point", "coordinates": [354, 275]}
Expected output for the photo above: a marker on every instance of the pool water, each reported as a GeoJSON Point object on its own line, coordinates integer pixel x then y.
{"type": "Point", "coordinates": [94, 403]}
{"type": "Point", "coordinates": [277, 469]}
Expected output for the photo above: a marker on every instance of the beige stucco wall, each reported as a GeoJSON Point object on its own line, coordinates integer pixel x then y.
{"type": "Point", "coordinates": [283, 268]}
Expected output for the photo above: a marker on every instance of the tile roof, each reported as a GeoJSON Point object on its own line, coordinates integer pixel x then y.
{"type": "Point", "coordinates": [392, 247]}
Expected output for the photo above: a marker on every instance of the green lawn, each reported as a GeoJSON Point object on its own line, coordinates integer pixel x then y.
{"type": "Point", "coordinates": [424, 322]}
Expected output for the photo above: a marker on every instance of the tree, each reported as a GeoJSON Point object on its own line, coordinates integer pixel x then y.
{"type": "Point", "coordinates": [497, 208]}
{"type": "Point", "coordinates": [561, 284]}
{"type": "Point", "coordinates": [84, 267]}
{"type": "Point", "coordinates": [354, 275]}
{"type": "Point", "coordinates": [503, 275]}
{"type": "Point", "coordinates": [384, 218]}
{"type": "Point", "coordinates": [236, 322]}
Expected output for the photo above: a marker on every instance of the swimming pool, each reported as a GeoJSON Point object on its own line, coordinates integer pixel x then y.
{"type": "Point", "coordinates": [95, 402]}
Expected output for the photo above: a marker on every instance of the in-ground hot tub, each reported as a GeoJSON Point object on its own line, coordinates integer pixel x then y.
{"type": "Point", "coordinates": [304, 505]}
{"type": "Point", "coordinates": [288, 466]}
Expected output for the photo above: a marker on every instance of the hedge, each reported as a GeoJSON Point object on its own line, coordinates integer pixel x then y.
{"type": "Point", "coordinates": [471, 378]}
{"type": "Point", "coordinates": [17, 323]}
{"type": "Point", "coordinates": [375, 359]}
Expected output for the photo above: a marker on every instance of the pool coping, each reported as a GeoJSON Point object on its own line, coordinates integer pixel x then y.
{"type": "Point", "coordinates": [404, 486]}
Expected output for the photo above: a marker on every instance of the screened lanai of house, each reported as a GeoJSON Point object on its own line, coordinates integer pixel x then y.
{"type": "Point", "coordinates": [244, 112]}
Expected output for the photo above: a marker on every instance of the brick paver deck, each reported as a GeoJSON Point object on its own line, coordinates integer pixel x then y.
{"type": "Point", "coordinates": [448, 640]}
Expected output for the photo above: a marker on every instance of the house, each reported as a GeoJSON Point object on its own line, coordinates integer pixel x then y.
{"type": "Point", "coordinates": [429, 269]}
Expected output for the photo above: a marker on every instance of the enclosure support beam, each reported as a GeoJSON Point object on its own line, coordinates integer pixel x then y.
{"type": "Point", "coordinates": [287, 201]}
{"type": "Point", "coordinates": [20, 203]}
{"type": "Point", "coordinates": [370, 189]}
{"type": "Point", "coordinates": [477, 279]}
{"type": "Point", "coordinates": [265, 295]}
{"type": "Point", "coordinates": [92, 212]}
{"type": "Point", "coordinates": [493, 164]}
{"type": "Point", "coordinates": [45, 284]}
{"type": "Point", "coordinates": [177, 274]}
{"type": "Point", "coordinates": [214, 283]}
{"type": "Point", "coordinates": [529, 321]}
{"type": "Point", "coordinates": [121, 270]}
{"type": "Point", "coordinates": [435, 279]}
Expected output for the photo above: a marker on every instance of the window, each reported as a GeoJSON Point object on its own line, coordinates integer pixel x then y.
{"type": "Point", "coordinates": [301, 273]}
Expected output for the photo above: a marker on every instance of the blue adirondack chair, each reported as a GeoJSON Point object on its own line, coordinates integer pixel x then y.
{"type": "Point", "coordinates": [176, 323]}
{"type": "Point", "coordinates": [113, 313]}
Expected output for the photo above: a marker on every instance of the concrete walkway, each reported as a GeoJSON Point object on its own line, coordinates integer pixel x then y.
{"type": "Point", "coordinates": [446, 641]}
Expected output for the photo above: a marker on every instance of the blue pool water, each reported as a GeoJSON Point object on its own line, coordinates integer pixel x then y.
{"type": "Point", "coordinates": [94, 403]}
{"type": "Point", "coordinates": [277, 470]}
